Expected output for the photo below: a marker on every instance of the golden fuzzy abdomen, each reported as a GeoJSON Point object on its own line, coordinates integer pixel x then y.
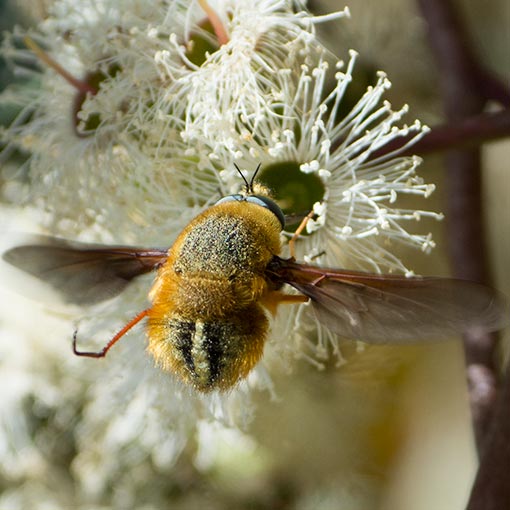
{"type": "Point", "coordinates": [206, 324]}
{"type": "Point", "coordinates": [209, 354]}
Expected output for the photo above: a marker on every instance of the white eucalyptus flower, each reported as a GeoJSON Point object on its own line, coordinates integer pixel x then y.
{"type": "Point", "coordinates": [308, 142]}
{"type": "Point", "coordinates": [357, 216]}
{"type": "Point", "coordinates": [226, 89]}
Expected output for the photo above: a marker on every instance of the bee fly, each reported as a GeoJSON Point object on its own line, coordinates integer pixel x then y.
{"type": "Point", "coordinates": [207, 322]}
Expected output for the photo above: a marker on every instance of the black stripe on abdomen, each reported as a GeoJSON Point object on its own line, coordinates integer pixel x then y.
{"type": "Point", "coordinates": [214, 346]}
{"type": "Point", "coordinates": [203, 348]}
{"type": "Point", "coordinates": [182, 333]}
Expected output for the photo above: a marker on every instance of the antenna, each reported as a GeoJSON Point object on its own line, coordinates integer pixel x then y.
{"type": "Point", "coordinates": [248, 185]}
{"type": "Point", "coordinates": [254, 175]}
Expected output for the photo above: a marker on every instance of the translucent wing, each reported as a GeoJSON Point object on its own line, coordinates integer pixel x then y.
{"type": "Point", "coordinates": [84, 273]}
{"type": "Point", "coordinates": [393, 309]}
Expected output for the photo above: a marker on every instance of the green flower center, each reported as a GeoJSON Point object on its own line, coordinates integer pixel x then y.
{"type": "Point", "coordinates": [295, 191]}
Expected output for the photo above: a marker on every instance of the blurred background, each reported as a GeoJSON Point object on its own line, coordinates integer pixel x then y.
{"type": "Point", "coordinates": [390, 429]}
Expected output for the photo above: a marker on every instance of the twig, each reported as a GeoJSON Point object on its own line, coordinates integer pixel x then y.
{"type": "Point", "coordinates": [491, 490]}
{"type": "Point", "coordinates": [469, 132]}
{"type": "Point", "coordinates": [466, 87]}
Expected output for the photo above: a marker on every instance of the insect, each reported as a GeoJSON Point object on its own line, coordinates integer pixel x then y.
{"type": "Point", "coordinates": [214, 288]}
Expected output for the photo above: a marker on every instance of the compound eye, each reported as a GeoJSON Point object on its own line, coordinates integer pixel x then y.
{"type": "Point", "coordinates": [231, 198]}
{"type": "Point", "coordinates": [268, 204]}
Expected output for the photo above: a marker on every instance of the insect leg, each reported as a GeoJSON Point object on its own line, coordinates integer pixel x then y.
{"type": "Point", "coordinates": [297, 233]}
{"type": "Point", "coordinates": [118, 336]}
{"type": "Point", "coordinates": [274, 298]}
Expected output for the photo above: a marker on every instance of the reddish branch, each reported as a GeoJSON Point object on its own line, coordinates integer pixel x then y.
{"type": "Point", "coordinates": [466, 87]}
{"type": "Point", "coordinates": [469, 132]}
{"type": "Point", "coordinates": [491, 490]}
